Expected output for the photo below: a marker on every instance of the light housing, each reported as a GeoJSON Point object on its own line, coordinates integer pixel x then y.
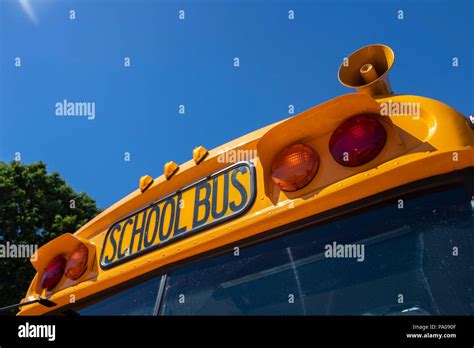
{"type": "Point", "coordinates": [53, 273]}
{"type": "Point", "coordinates": [145, 182]}
{"type": "Point", "coordinates": [357, 141]}
{"type": "Point", "coordinates": [77, 262]}
{"type": "Point", "coordinates": [199, 153]}
{"type": "Point", "coordinates": [170, 168]}
{"type": "Point", "coordinates": [294, 167]}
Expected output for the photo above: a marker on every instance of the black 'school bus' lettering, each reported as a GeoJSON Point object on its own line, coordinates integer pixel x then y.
{"type": "Point", "coordinates": [178, 230]}
{"type": "Point", "coordinates": [203, 202]}
{"type": "Point", "coordinates": [162, 220]}
{"type": "Point", "coordinates": [113, 242]}
{"type": "Point", "coordinates": [169, 203]}
{"type": "Point", "coordinates": [138, 231]}
{"type": "Point", "coordinates": [146, 241]}
{"type": "Point", "coordinates": [215, 196]}
{"type": "Point", "coordinates": [120, 254]}
{"type": "Point", "coordinates": [238, 185]}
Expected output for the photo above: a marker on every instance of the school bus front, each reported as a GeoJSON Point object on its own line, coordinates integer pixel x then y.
{"type": "Point", "coordinates": [362, 205]}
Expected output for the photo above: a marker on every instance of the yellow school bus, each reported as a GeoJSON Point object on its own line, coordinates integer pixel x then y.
{"type": "Point", "coordinates": [362, 205]}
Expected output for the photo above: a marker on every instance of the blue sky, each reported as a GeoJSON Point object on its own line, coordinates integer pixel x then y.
{"type": "Point", "coordinates": [190, 62]}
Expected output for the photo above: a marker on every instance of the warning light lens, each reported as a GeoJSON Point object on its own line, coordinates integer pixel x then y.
{"type": "Point", "coordinates": [145, 182]}
{"type": "Point", "coordinates": [294, 167]}
{"type": "Point", "coordinates": [170, 168]}
{"type": "Point", "coordinates": [199, 153]}
{"type": "Point", "coordinates": [357, 141]}
{"type": "Point", "coordinates": [77, 262]}
{"type": "Point", "coordinates": [53, 273]}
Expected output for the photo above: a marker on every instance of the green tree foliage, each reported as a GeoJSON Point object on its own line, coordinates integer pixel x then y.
{"type": "Point", "coordinates": [35, 207]}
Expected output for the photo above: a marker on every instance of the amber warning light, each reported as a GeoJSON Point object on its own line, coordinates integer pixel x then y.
{"type": "Point", "coordinates": [294, 167]}
{"type": "Point", "coordinates": [77, 262]}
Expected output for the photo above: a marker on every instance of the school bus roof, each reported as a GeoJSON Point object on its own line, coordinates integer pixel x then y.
{"type": "Point", "coordinates": [430, 139]}
{"type": "Point", "coordinates": [187, 172]}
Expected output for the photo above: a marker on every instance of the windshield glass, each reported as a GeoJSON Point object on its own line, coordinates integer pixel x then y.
{"type": "Point", "coordinates": [413, 256]}
{"type": "Point", "coordinates": [137, 300]}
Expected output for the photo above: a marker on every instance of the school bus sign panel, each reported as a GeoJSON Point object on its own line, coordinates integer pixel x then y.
{"type": "Point", "coordinates": [215, 199]}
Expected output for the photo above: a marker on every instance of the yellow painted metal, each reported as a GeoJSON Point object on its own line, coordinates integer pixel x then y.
{"type": "Point", "coordinates": [145, 182]}
{"type": "Point", "coordinates": [170, 168]}
{"type": "Point", "coordinates": [368, 73]}
{"type": "Point", "coordinates": [199, 153]}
